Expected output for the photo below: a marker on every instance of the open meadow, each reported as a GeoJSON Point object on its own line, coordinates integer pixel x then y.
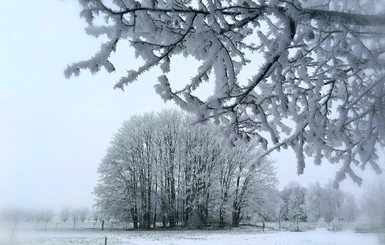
{"type": "Point", "coordinates": [242, 235]}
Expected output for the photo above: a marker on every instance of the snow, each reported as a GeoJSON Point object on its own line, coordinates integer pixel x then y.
{"type": "Point", "coordinates": [243, 236]}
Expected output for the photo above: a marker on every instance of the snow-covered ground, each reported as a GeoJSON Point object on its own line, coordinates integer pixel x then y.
{"type": "Point", "coordinates": [235, 236]}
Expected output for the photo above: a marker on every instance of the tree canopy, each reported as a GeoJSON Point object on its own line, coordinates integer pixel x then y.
{"type": "Point", "coordinates": [159, 170]}
{"type": "Point", "coordinates": [301, 74]}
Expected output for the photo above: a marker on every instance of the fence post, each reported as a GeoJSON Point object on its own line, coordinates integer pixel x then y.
{"type": "Point", "coordinates": [105, 240]}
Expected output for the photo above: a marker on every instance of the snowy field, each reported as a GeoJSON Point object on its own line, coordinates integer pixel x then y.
{"type": "Point", "coordinates": [236, 236]}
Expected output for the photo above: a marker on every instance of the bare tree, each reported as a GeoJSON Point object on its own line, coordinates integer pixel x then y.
{"type": "Point", "coordinates": [295, 203]}
{"type": "Point", "coordinates": [301, 74]}
{"type": "Point", "coordinates": [12, 217]}
{"type": "Point", "coordinates": [313, 202]}
{"type": "Point", "coordinates": [330, 204]}
{"type": "Point", "coordinates": [373, 203]}
{"type": "Point", "coordinates": [65, 214]}
{"type": "Point", "coordinates": [83, 214]}
{"type": "Point", "coordinates": [158, 169]}
{"type": "Point", "coordinates": [95, 216]}
{"type": "Point", "coordinates": [46, 216]}
{"type": "Point", "coordinates": [77, 215]}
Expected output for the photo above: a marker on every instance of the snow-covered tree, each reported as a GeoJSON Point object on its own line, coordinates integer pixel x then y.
{"type": "Point", "coordinates": [329, 204]}
{"type": "Point", "coordinates": [83, 214]}
{"type": "Point", "coordinates": [65, 214]}
{"type": "Point", "coordinates": [268, 205]}
{"type": "Point", "coordinates": [373, 203]}
{"type": "Point", "coordinates": [301, 74]}
{"type": "Point", "coordinates": [225, 178]}
{"type": "Point", "coordinates": [126, 189]}
{"type": "Point", "coordinates": [242, 189]}
{"type": "Point", "coordinates": [349, 210]}
{"type": "Point", "coordinates": [45, 216]}
{"type": "Point", "coordinates": [339, 206]}
{"type": "Point", "coordinates": [160, 169]}
{"type": "Point", "coordinates": [295, 209]}
{"type": "Point", "coordinates": [294, 198]}
{"type": "Point", "coordinates": [94, 217]}
{"type": "Point", "coordinates": [313, 202]}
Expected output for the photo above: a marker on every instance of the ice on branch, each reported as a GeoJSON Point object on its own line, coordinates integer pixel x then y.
{"type": "Point", "coordinates": [315, 69]}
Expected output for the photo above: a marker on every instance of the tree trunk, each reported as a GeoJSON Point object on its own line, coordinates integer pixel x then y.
{"type": "Point", "coordinates": [236, 216]}
{"type": "Point", "coordinates": [148, 199]}
{"type": "Point", "coordinates": [134, 214]}
{"type": "Point", "coordinates": [222, 214]}
{"type": "Point", "coordinates": [236, 209]}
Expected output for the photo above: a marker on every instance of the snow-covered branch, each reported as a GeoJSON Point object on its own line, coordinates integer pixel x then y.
{"type": "Point", "coordinates": [275, 65]}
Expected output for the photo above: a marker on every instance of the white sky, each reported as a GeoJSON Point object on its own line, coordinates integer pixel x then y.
{"type": "Point", "coordinates": [54, 131]}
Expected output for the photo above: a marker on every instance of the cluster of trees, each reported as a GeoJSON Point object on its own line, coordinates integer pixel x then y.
{"type": "Point", "coordinates": [316, 203]}
{"type": "Point", "coordinates": [373, 203]}
{"type": "Point", "coordinates": [77, 215]}
{"type": "Point", "coordinates": [329, 204]}
{"type": "Point", "coordinates": [160, 169]}
{"type": "Point", "coordinates": [45, 216]}
{"type": "Point", "coordinates": [15, 216]}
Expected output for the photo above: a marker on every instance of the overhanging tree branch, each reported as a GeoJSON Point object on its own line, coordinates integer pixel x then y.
{"type": "Point", "coordinates": [309, 63]}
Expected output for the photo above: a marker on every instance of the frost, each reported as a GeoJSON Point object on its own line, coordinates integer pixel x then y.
{"type": "Point", "coordinates": [163, 88]}
{"type": "Point", "coordinates": [161, 160]}
{"type": "Point", "coordinates": [315, 70]}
